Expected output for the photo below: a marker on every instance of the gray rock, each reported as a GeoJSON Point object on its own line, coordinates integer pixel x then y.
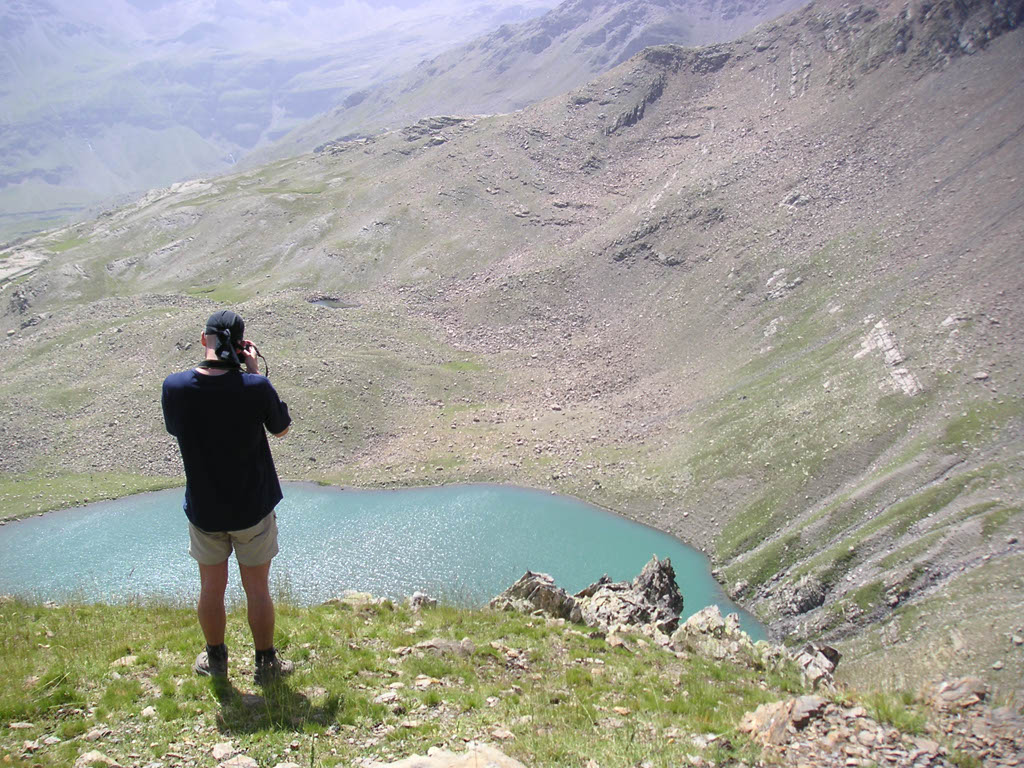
{"type": "Point", "coordinates": [93, 758]}
{"type": "Point", "coordinates": [818, 663]}
{"type": "Point", "coordinates": [239, 761]}
{"type": "Point", "coordinates": [537, 592]}
{"type": "Point", "coordinates": [442, 646]}
{"type": "Point", "coordinates": [653, 597]}
{"type": "Point", "coordinates": [806, 595]}
{"type": "Point", "coordinates": [959, 694]}
{"type": "Point", "coordinates": [420, 600]}
{"type": "Point", "coordinates": [475, 756]}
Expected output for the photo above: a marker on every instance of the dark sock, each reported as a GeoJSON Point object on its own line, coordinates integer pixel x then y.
{"type": "Point", "coordinates": [216, 652]}
{"type": "Point", "coordinates": [265, 657]}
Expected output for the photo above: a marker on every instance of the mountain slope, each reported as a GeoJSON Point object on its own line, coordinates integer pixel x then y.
{"type": "Point", "coordinates": [103, 100]}
{"type": "Point", "coordinates": [764, 295]}
{"type": "Point", "coordinates": [521, 64]}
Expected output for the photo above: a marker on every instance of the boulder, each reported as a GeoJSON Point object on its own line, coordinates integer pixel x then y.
{"type": "Point", "coordinates": [708, 634]}
{"type": "Point", "coordinates": [959, 694]}
{"type": "Point", "coordinates": [443, 646]}
{"type": "Point", "coordinates": [475, 756]}
{"type": "Point", "coordinates": [537, 592]}
{"type": "Point", "coordinates": [806, 595]}
{"type": "Point", "coordinates": [420, 600]}
{"type": "Point", "coordinates": [818, 663]}
{"type": "Point", "coordinates": [771, 724]}
{"type": "Point", "coordinates": [653, 597]}
{"type": "Point", "coordinates": [95, 758]}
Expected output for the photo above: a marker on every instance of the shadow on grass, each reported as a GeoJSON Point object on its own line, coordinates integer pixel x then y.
{"type": "Point", "coordinates": [279, 707]}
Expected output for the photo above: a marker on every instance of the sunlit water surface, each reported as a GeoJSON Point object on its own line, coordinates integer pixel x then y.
{"type": "Point", "coordinates": [462, 543]}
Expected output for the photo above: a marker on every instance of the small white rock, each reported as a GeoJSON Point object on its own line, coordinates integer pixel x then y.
{"type": "Point", "coordinates": [239, 761]}
{"type": "Point", "coordinates": [223, 751]}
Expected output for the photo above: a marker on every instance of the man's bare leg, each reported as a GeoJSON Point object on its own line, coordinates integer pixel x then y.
{"type": "Point", "coordinates": [259, 604]}
{"type": "Point", "coordinates": [213, 581]}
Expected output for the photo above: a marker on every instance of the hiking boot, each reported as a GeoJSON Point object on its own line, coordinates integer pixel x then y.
{"type": "Point", "coordinates": [271, 667]}
{"type": "Point", "coordinates": [213, 662]}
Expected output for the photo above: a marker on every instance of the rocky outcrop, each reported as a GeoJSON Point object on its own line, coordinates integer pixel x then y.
{"type": "Point", "coordinates": [806, 595]}
{"type": "Point", "coordinates": [813, 731]}
{"type": "Point", "coordinates": [709, 634]}
{"type": "Point", "coordinates": [880, 338]}
{"type": "Point", "coordinates": [818, 663]}
{"type": "Point", "coordinates": [652, 598]}
{"type": "Point", "coordinates": [650, 605]}
{"type": "Point", "coordinates": [538, 593]}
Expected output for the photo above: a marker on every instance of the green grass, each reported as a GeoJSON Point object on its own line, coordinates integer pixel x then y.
{"type": "Point", "coordinates": [464, 365]}
{"type": "Point", "coordinates": [30, 493]}
{"type": "Point", "coordinates": [900, 709]}
{"type": "Point", "coordinates": [997, 519]}
{"type": "Point", "coordinates": [915, 549]}
{"type": "Point", "coordinates": [898, 518]}
{"type": "Point", "coordinates": [767, 562]}
{"type": "Point", "coordinates": [869, 597]}
{"type": "Point", "coordinates": [67, 244]}
{"type": "Point", "coordinates": [979, 422]}
{"type": "Point", "coordinates": [222, 294]}
{"type": "Point", "coordinates": [359, 691]}
{"type": "Point", "coordinates": [962, 759]}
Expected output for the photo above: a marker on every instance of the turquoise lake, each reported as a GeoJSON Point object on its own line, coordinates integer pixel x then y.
{"type": "Point", "coordinates": [464, 544]}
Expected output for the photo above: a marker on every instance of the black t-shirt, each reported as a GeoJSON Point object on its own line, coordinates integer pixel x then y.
{"type": "Point", "coordinates": [219, 420]}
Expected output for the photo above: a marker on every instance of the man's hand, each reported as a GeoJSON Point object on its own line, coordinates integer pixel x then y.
{"type": "Point", "coordinates": [248, 356]}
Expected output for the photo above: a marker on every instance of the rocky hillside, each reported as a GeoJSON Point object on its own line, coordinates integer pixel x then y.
{"type": "Point", "coordinates": [518, 65]}
{"type": "Point", "coordinates": [765, 295]}
{"type": "Point", "coordinates": [377, 684]}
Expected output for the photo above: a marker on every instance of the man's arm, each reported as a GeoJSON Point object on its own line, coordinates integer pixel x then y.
{"type": "Point", "coordinates": [167, 407]}
{"type": "Point", "coordinates": [276, 418]}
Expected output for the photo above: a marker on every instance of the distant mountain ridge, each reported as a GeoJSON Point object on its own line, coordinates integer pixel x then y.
{"type": "Point", "coordinates": [97, 99]}
{"type": "Point", "coordinates": [521, 64]}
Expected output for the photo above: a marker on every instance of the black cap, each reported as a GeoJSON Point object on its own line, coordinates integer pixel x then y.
{"type": "Point", "coordinates": [229, 328]}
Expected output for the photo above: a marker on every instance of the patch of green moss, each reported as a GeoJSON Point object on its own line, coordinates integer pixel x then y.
{"type": "Point", "coordinates": [911, 551]}
{"type": "Point", "coordinates": [768, 561]}
{"type": "Point", "coordinates": [222, 294]}
{"type": "Point", "coordinates": [976, 425]}
{"type": "Point", "coordinates": [997, 519]}
{"type": "Point", "coordinates": [66, 245]}
{"type": "Point", "coordinates": [464, 365]}
{"type": "Point", "coordinates": [30, 493]}
{"type": "Point", "coordinates": [868, 597]}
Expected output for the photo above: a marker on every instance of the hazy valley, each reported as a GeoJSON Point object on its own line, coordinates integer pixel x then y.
{"type": "Point", "coordinates": [107, 98]}
{"type": "Point", "coordinates": [764, 294]}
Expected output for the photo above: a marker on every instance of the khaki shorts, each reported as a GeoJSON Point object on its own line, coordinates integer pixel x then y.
{"type": "Point", "coordinates": [253, 546]}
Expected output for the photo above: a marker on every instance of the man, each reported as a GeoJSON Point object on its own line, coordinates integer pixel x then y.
{"type": "Point", "coordinates": [220, 416]}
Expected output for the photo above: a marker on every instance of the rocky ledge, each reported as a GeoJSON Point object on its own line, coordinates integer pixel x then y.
{"type": "Point", "coordinates": [813, 731]}
{"type": "Point", "coordinates": [650, 606]}
{"type": "Point", "coordinates": [808, 731]}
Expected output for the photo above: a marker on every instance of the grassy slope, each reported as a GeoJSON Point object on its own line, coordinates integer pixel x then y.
{"type": "Point", "coordinates": [564, 696]}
